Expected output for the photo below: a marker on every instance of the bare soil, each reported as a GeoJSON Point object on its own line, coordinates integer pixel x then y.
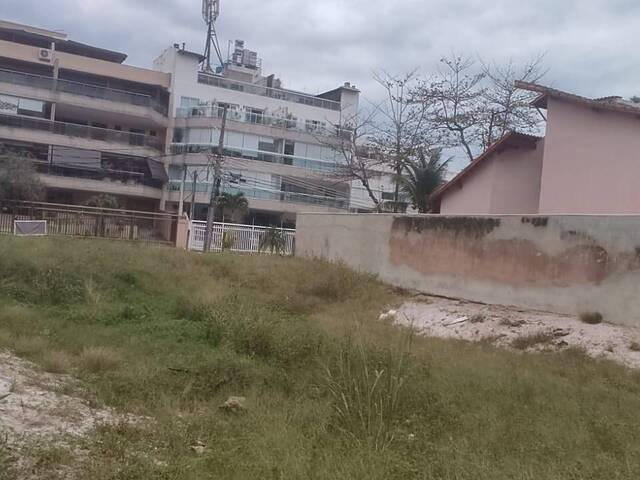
{"type": "Point", "coordinates": [33, 407]}
{"type": "Point", "coordinates": [517, 329]}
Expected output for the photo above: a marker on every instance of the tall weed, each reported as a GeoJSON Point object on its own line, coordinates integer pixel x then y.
{"type": "Point", "coordinates": [367, 389]}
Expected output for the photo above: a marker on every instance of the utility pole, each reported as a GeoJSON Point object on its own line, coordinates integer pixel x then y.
{"type": "Point", "coordinates": [184, 179]}
{"type": "Point", "coordinates": [217, 179]}
{"type": "Point", "coordinates": [194, 186]}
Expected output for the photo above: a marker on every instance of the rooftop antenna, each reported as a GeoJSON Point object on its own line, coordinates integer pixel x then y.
{"type": "Point", "coordinates": [210, 13]}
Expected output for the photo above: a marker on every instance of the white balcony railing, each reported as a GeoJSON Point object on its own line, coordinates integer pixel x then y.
{"type": "Point", "coordinates": [312, 127]}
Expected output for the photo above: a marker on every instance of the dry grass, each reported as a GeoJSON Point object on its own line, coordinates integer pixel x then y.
{"type": "Point", "coordinates": [99, 359]}
{"type": "Point", "coordinates": [532, 340]}
{"type": "Point", "coordinates": [56, 361]}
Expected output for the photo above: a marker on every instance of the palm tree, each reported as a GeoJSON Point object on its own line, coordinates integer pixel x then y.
{"type": "Point", "coordinates": [422, 175]}
{"type": "Point", "coordinates": [232, 203]}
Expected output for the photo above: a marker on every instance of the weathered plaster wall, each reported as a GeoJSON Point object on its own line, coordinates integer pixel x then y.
{"type": "Point", "coordinates": [566, 264]}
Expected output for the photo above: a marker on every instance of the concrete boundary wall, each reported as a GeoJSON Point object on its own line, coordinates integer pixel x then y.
{"type": "Point", "coordinates": [565, 264]}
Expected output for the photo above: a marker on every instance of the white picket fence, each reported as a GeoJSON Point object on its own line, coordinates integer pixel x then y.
{"type": "Point", "coordinates": [246, 238]}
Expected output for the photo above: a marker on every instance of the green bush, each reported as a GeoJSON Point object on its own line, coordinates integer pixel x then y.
{"type": "Point", "coordinates": [261, 330]}
{"type": "Point", "coordinates": [57, 287]}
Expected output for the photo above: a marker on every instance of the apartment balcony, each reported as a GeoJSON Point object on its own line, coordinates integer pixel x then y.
{"type": "Point", "coordinates": [38, 130]}
{"type": "Point", "coordinates": [258, 122]}
{"type": "Point", "coordinates": [266, 199]}
{"type": "Point", "coordinates": [256, 155]}
{"type": "Point", "coordinates": [276, 93]}
{"type": "Point", "coordinates": [83, 95]}
{"type": "Point", "coordinates": [114, 182]}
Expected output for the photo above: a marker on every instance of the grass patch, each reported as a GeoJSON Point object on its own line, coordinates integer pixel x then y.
{"type": "Point", "coordinates": [591, 318]}
{"type": "Point", "coordinates": [332, 393]}
{"type": "Point", "coordinates": [6, 461]}
{"type": "Point", "coordinates": [525, 342]}
{"type": "Point", "coordinates": [99, 359]}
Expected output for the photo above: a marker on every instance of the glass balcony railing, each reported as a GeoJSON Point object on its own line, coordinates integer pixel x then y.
{"type": "Point", "coordinates": [264, 194]}
{"type": "Point", "coordinates": [86, 90]}
{"type": "Point", "coordinates": [277, 93]}
{"type": "Point", "coordinates": [104, 175]}
{"type": "Point", "coordinates": [82, 131]}
{"type": "Point", "coordinates": [299, 125]}
{"type": "Point", "coordinates": [257, 155]}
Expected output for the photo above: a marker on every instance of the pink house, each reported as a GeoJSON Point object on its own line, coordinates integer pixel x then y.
{"type": "Point", "coordinates": [588, 163]}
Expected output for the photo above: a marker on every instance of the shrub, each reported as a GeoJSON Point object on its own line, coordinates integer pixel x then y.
{"type": "Point", "coordinates": [367, 388]}
{"type": "Point", "coordinates": [272, 240]}
{"type": "Point", "coordinates": [228, 241]}
{"type": "Point", "coordinates": [592, 318]}
{"type": "Point", "coordinates": [261, 330]}
{"type": "Point", "coordinates": [56, 287]}
{"type": "Point", "coordinates": [330, 283]}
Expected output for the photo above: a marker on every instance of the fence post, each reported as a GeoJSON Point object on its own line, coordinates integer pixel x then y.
{"type": "Point", "coordinates": [131, 225]}
{"type": "Point", "coordinates": [254, 244]}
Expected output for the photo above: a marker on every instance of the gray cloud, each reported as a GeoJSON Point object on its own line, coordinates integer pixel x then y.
{"type": "Point", "coordinates": [315, 46]}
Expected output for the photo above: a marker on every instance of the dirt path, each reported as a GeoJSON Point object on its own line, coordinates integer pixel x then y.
{"type": "Point", "coordinates": [511, 327]}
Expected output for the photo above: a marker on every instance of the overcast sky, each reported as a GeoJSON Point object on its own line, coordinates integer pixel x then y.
{"type": "Point", "coordinates": [315, 45]}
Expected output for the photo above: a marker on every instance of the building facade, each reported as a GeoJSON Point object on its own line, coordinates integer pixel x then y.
{"type": "Point", "coordinates": [89, 123]}
{"type": "Point", "coordinates": [279, 144]}
{"type": "Point", "coordinates": [587, 163]}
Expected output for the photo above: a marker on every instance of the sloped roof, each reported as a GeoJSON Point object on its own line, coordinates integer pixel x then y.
{"type": "Point", "coordinates": [611, 103]}
{"type": "Point", "coordinates": [510, 140]}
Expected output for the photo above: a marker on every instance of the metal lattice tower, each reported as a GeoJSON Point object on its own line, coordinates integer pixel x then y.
{"type": "Point", "coordinates": [210, 13]}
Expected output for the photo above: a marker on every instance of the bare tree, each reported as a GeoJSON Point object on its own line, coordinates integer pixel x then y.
{"type": "Point", "coordinates": [507, 107]}
{"type": "Point", "coordinates": [358, 159]}
{"type": "Point", "coordinates": [401, 126]}
{"type": "Point", "coordinates": [476, 105]}
{"type": "Point", "coordinates": [456, 95]}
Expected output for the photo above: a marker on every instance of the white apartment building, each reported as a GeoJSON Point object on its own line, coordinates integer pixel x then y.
{"type": "Point", "coordinates": [277, 143]}
{"type": "Point", "coordinates": [89, 123]}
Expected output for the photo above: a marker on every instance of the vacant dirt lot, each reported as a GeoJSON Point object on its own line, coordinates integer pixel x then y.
{"type": "Point", "coordinates": [519, 329]}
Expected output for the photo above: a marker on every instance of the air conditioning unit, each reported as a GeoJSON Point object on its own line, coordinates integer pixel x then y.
{"type": "Point", "coordinates": [44, 55]}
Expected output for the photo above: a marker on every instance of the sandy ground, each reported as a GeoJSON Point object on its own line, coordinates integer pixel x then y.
{"type": "Point", "coordinates": [31, 406]}
{"type": "Point", "coordinates": [448, 318]}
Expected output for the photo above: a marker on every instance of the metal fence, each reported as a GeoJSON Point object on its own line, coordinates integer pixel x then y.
{"type": "Point", "coordinates": [82, 131]}
{"type": "Point", "coordinates": [84, 89]}
{"type": "Point", "coordinates": [69, 220]}
{"type": "Point", "coordinates": [239, 238]}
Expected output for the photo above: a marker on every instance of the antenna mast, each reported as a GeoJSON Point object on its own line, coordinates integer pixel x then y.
{"type": "Point", "coordinates": [210, 13]}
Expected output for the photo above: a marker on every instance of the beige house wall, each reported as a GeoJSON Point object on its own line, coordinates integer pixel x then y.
{"type": "Point", "coordinates": [591, 161]}
{"type": "Point", "coordinates": [507, 182]}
